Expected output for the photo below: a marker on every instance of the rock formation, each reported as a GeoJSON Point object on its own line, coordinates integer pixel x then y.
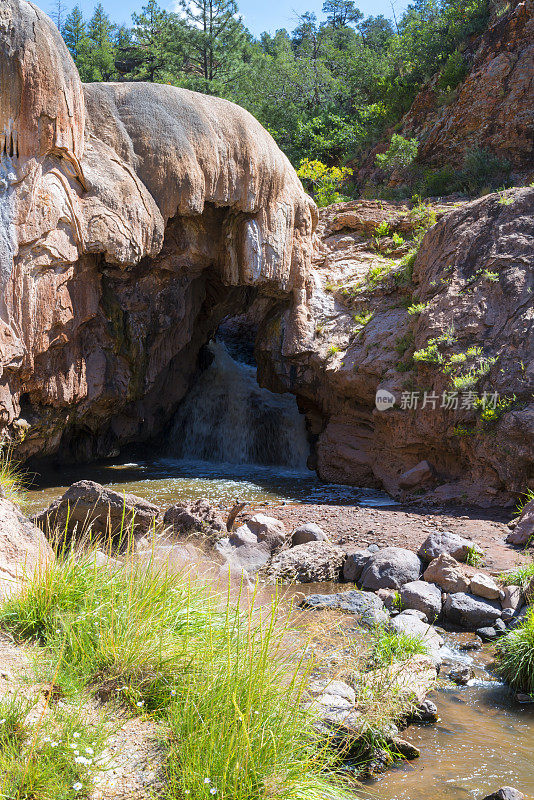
{"type": "Point", "coordinates": [133, 217]}
{"type": "Point", "coordinates": [456, 318]}
{"type": "Point", "coordinates": [493, 108]}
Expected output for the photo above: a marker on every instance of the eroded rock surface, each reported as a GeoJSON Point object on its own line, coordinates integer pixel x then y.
{"type": "Point", "coordinates": [436, 331]}
{"type": "Point", "coordinates": [133, 218]}
{"type": "Point", "coordinates": [23, 549]}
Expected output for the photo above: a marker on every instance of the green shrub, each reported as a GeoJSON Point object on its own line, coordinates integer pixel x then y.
{"type": "Point", "coordinates": [515, 655]}
{"type": "Point", "coordinates": [323, 182]}
{"type": "Point", "coordinates": [400, 154]}
{"type": "Point", "coordinates": [518, 576]}
{"type": "Point", "coordinates": [482, 170]}
{"type": "Point", "coordinates": [453, 72]}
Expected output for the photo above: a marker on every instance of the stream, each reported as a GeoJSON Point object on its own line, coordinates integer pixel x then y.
{"type": "Point", "coordinates": [232, 440]}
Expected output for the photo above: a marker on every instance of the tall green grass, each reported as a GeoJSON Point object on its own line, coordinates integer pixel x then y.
{"type": "Point", "coordinates": [518, 576]}
{"type": "Point", "coordinates": [515, 655]}
{"type": "Point", "coordinates": [11, 476]}
{"type": "Point", "coordinates": [228, 683]}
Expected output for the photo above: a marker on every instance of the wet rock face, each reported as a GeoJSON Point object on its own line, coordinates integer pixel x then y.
{"type": "Point", "coordinates": [133, 218]}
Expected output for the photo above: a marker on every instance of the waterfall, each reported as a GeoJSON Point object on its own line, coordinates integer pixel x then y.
{"type": "Point", "coordinates": [227, 418]}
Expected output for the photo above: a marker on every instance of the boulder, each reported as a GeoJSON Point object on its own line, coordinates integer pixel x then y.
{"type": "Point", "coordinates": [354, 565]}
{"type": "Point", "coordinates": [88, 508]}
{"type": "Point", "coordinates": [506, 793]}
{"type": "Point", "coordinates": [391, 568]}
{"type": "Point", "coordinates": [447, 573]}
{"type": "Point", "coordinates": [524, 528]}
{"type": "Point", "coordinates": [308, 533]}
{"type": "Point", "coordinates": [197, 517]}
{"type": "Point", "coordinates": [413, 626]}
{"type": "Point", "coordinates": [488, 633]}
{"type": "Point", "coordinates": [484, 586]}
{"type": "Point", "coordinates": [513, 597]}
{"type": "Point", "coordinates": [23, 549]}
{"type": "Point", "coordinates": [461, 674]}
{"type": "Point", "coordinates": [422, 596]}
{"type": "Point", "coordinates": [265, 529]}
{"type": "Point", "coordinates": [469, 611]}
{"type": "Point", "coordinates": [252, 545]}
{"type": "Point", "coordinates": [421, 473]}
{"type": "Point", "coordinates": [427, 711]}
{"type": "Point", "coordinates": [307, 563]}
{"type": "Point", "coordinates": [445, 542]}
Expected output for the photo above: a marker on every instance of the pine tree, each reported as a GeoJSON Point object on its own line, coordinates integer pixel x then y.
{"type": "Point", "coordinates": [75, 32]}
{"type": "Point", "coordinates": [217, 37]}
{"type": "Point", "coordinates": [101, 33]}
{"type": "Point", "coordinates": [151, 47]}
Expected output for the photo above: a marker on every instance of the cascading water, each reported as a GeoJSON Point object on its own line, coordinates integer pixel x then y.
{"type": "Point", "coordinates": [228, 418]}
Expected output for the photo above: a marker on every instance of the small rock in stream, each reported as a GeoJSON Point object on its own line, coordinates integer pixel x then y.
{"type": "Point", "coordinates": [472, 644]}
{"type": "Point", "coordinates": [488, 634]}
{"type": "Point", "coordinates": [461, 674]}
{"type": "Point", "coordinates": [406, 749]}
{"type": "Point", "coordinates": [426, 712]}
{"type": "Point", "coordinates": [506, 793]}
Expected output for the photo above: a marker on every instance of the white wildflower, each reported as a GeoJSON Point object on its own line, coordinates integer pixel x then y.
{"type": "Point", "coordinates": [140, 704]}
{"type": "Point", "coordinates": [207, 780]}
{"type": "Point", "coordinates": [76, 735]}
{"type": "Point", "coordinates": [77, 786]}
{"type": "Point", "coordinates": [89, 751]}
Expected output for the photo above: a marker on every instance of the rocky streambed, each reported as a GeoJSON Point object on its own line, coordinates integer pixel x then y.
{"type": "Point", "coordinates": [431, 589]}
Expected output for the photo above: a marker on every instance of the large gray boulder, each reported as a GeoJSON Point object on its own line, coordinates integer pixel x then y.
{"type": "Point", "coordinates": [23, 549]}
{"type": "Point", "coordinates": [307, 563]}
{"type": "Point", "coordinates": [89, 509]}
{"type": "Point", "coordinates": [422, 596]}
{"type": "Point", "coordinates": [471, 612]}
{"type": "Point", "coordinates": [310, 532]}
{"type": "Point", "coordinates": [354, 565]}
{"type": "Point", "coordinates": [391, 568]}
{"type": "Point", "coordinates": [440, 542]}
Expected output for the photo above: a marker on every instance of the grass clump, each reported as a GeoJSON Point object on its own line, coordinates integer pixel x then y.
{"type": "Point", "coordinates": [518, 576]}
{"type": "Point", "coordinates": [388, 647]}
{"type": "Point", "coordinates": [525, 498]}
{"type": "Point", "coordinates": [515, 655]}
{"type": "Point", "coordinates": [226, 683]}
{"type": "Point", "coordinates": [11, 477]}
